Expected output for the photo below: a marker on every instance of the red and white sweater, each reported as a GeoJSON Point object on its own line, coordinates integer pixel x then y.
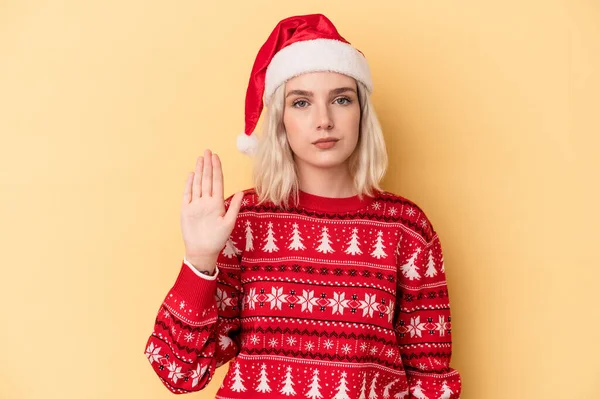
{"type": "Point", "coordinates": [333, 299]}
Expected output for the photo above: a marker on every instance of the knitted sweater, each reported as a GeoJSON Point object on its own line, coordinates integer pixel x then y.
{"type": "Point", "coordinates": [336, 298]}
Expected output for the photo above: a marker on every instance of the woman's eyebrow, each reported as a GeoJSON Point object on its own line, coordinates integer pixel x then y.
{"type": "Point", "coordinates": [300, 93]}
{"type": "Point", "coordinates": [341, 90]}
{"type": "Point", "coordinates": [305, 93]}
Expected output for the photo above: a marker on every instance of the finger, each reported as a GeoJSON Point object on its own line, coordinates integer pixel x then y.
{"type": "Point", "coordinates": [197, 186]}
{"type": "Point", "coordinates": [207, 174]}
{"type": "Point", "coordinates": [217, 177]}
{"type": "Point", "coordinates": [187, 192]}
{"type": "Point", "coordinates": [234, 207]}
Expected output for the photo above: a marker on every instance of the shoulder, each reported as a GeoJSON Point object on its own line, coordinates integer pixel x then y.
{"type": "Point", "coordinates": [399, 209]}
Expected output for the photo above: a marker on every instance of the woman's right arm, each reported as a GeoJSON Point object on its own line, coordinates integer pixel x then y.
{"type": "Point", "coordinates": [197, 326]}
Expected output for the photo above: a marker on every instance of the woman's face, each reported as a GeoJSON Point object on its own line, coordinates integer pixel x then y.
{"type": "Point", "coordinates": [321, 106]}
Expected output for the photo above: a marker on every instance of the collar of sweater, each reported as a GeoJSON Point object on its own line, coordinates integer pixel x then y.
{"type": "Point", "coordinates": [330, 204]}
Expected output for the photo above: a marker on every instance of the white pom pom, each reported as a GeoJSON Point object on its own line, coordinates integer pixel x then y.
{"type": "Point", "coordinates": [247, 144]}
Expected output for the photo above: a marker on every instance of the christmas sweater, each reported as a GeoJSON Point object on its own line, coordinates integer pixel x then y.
{"type": "Point", "coordinates": [335, 298]}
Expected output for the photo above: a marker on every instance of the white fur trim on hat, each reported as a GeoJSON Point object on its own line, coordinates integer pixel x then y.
{"type": "Point", "coordinates": [247, 144]}
{"type": "Point", "coordinates": [315, 56]}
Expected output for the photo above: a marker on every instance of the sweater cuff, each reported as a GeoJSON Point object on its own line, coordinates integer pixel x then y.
{"type": "Point", "coordinates": [198, 291]}
{"type": "Point", "coordinates": [205, 276]}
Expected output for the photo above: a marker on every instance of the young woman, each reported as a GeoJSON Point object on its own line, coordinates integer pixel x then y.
{"type": "Point", "coordinates": [315, 283]}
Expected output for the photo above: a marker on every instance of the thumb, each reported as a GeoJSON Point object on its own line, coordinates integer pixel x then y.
{"type": "Point", "coordinates": [234, 207]}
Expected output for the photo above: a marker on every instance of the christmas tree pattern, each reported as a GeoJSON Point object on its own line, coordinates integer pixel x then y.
{"type": "Point", "coordinates": [378, 252]}
{"type": "Point", "coordinates": [410, 269]}
{"type": "Point", "coordinates": [288, 384]}
{"type": "Point", "coordinates": [386, 389]}
{"type": "Point", "coordinates": [263, 385]}
{"type": "Point", "coordinates": [353, 244]}
{"type": "Point", "coordinates": [363, 388]}
{"type": "Point", "coordinates": [431, 272]}
{"type": "Point", "coordinates": [249, 237]}
{"type": "Point", "coordinates": [417, 392]}
{"type": "Point", "coordinates": [342, 389]}
{"type": "Point", "coordinates": [372, 393]}
{"type": "Point", "coordinates": [270, 245]}
{"type": "Point", "coordinates": [446, 391]}
{"type": "Point", "coordinates": [296, 240]}
{"type": "Point", "coordinates": [314, 387]}
{"type": "Point", "coordinates": [238, 381]}
{"type": "Point", "coordinates": [230, 249]}
{"type": "Point", "coordinates": [325, 246]}
{"type": "Point", "coordinates": [224, 341]}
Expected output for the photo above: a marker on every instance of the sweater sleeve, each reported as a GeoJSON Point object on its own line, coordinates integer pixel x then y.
{"type": "Point", "coordinates": [197, 326]}
{"type": "Point", "coordinates": [423, 315]}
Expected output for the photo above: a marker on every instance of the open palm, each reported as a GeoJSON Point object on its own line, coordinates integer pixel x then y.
{"type": "Point", "coordinates": [205, 224]}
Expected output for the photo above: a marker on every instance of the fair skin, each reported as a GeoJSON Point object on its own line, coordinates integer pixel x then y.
{"type": "Point", "coordinates": [317, 105]}
{"type": "Point", "coordinates": [322, 105]}
{"type": "Point", "coordinates": [205, 225]}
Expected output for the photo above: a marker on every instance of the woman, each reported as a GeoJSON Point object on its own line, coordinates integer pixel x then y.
{"type": "Point", "coordinates": [315, 283]}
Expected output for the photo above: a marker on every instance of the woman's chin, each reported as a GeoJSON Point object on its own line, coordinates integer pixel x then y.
{"type": "Point", "coordinates": [328, 161]}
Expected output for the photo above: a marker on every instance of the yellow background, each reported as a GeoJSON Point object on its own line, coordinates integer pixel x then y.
{"type": "Point", "coordinates": [490, 115]}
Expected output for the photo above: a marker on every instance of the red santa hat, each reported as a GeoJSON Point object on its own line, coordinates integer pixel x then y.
{"type": "Point", "coordinates": [297, 45]}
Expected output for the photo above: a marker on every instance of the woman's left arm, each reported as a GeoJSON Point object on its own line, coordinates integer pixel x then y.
{"type": "Point", "coordinates": [422, 321]}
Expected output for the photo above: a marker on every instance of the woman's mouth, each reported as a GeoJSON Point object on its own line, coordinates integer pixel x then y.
{"type": "Point", "coordinates": [325, 143]}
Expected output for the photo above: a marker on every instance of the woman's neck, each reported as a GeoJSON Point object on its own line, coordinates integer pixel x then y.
{"type": "Point", "coordinates": [331, 182]}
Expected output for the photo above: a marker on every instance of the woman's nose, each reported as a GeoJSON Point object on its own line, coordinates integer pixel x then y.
{"type": "Point", "coordinates": [324, 120]}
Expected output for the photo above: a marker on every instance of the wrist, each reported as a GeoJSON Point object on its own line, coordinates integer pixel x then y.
{"type": "Point", "coordinates": [203, 264]}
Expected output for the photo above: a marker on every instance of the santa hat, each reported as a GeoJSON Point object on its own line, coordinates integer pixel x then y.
{"type": "Point", "coordinates": [299, 44]}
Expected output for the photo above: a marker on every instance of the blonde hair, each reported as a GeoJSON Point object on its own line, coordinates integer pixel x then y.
{"type": "Point", "coordinates": [275, 175]}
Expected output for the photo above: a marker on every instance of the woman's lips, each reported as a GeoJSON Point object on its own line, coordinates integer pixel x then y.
{"type": "Point", "coordinates": [325, 144]}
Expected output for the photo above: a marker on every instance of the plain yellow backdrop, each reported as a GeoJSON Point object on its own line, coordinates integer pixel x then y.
{"type": "Point", "coordinates": [490, 114]}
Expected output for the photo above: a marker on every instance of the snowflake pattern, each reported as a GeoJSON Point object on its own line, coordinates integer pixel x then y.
{"type": "Point", "coordinates": [276, 298]}
{"type": "Point", "coordinates": [415, 327]}
{"type": "Point", "coordinates": [338, 303]}
{"type": "Point", "coordinates": [196, 374]}
{"type": "Point", "coordinates": [328, 344]}
{"type": "Point", "coordinates": [222, 299]}
{"type": "Point", "coordinates": [308, 300]}
{"type": "Point", "coordinates": [368, 305]}
{"type": "Point", "coordinates": [175, 372]}
{"type": "Point", "coordinates": [189, 337]}
{"type": "Point", "coordinates": [152, 353]}
{"type": "Point", "coordinates": [346, 349]}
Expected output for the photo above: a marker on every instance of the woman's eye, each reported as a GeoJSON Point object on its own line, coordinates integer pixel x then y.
{"type": "Point", "coordinates": [342, 101]}
{"type": "Point", "coordinates": [300, 104]}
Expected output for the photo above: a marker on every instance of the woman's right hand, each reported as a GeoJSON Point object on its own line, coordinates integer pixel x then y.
{"type": "Point", "coordinates": [205, 225]}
